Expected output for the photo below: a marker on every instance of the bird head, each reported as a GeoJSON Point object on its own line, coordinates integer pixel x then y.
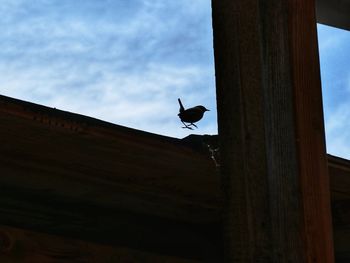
{"type": "Point", "coordinates": [202, 108]}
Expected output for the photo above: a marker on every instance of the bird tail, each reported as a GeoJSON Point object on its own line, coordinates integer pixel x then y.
{"type": "Point", "coordinates": [182, 109]}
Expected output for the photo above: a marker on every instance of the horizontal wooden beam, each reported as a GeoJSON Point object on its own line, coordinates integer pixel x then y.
{"type": "Point", "coordinates": [52, 183]}
{"type": "Point", "coordinates": [334, 13]}
{"type": "Point", "coordinates": [51, 151]}
{"type": "Point", "coordinates": [70, 175]}
{"type": "Point", "coordinates": [339, 171]}
{"type": "Point", "coordinates": [19, 245]}
{"type": "Point", "coordinates": [72, 218]}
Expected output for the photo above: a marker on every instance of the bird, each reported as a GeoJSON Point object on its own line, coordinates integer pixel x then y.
{"type": "Point", "coordinates": [191, 115]}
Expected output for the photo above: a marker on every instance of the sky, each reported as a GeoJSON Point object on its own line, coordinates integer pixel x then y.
{"type": "Point", "coordinates": [127, 62]}
{"type": "Point", "coordinates": [122, 61]}
{"type": "Point", "coordinates": [334, 49]}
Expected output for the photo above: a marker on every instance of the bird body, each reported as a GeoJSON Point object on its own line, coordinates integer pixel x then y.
{"type": "Point", "coordinates": [191, 115]}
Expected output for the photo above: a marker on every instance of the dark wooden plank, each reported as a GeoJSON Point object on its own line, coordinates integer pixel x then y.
{"type": "Point", "coordinates": [334, 13]}
{"type": "Point", "coordinates": [242, 139]}
{"type": "Point", "coordinates": [75, 176]}
{"type": "Point", "coordinates": [49, 150]}
{"type": "Point", "coordinates": [19, 245]}
{"type": "Point", "coordinates": [342, 243]}
{"type": "Point", "coordinates": [310, 134]}
{"type": "Point", "coordinates": [339, 170]}
{"type": "Point", "coordinates": [69, 217]}
{"type": "Point", "coordinates": [270, 120]}
{"type": "Point", "coordinates": [54, 188]}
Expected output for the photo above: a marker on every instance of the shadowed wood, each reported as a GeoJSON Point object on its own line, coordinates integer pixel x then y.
{"type": "Point", "coordinates": [334, 13]}
{"type": "Point", "coordinates": [23, 246]}
{"type": "Point", "coordinates": [339, 171]}
{"type": "Point", "coordinates": [310, 135]}
{"type": "Point", "coordinates": [274, 167]}
{"type": "Point", "coordinates": [242, 144]}
{"type": "Point", "coordinates": [76, 176]}
{"type": "Point", "coordinates": [51, 182]}
{"type": "Point", "coordinates": [45, 148]}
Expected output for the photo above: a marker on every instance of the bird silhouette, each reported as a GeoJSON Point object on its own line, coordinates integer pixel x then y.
{"type": "Point", "coordinates": [191, 115]}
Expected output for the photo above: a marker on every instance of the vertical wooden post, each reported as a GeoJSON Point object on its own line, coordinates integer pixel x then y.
{"type": "Point", "coordinates": [271, 131]}
{"type": "Point", "coordinates": [314, 179]}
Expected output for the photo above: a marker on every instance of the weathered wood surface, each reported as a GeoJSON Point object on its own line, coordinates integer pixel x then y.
{"type": "Point", "coordinates": [240, 122]}
{"type": "Point", "coordinates": [334, 13]}
{"type": "Point", "coordinates": [270, 120]}
{"type": "Point", "coordinates": [47, 184]}
{"type": "Point", "coordinates": [75, 176]}
{"type": "Point", "coordinates": [310, 132]}
{"type": "Point", "coordinates": [339, 170]}
{"type": "Point", "coordinates": [44, 149]}
{"type": "Point", "coordinates": [23, 246]}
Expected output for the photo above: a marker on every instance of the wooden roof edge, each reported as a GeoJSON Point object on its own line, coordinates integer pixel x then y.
{"type": "Point", "coordinates": [333, 13]}
{"type": "Point", "coordinates": [177, 158]}
{"type": "Point", "coordinates": [197, 142]}
{"type": "Point", "coordinates": [21, 107]}
{"type": "Point", "coordinates": [27, 109]}
{"type": "Point", "coordinates": [338, 161]}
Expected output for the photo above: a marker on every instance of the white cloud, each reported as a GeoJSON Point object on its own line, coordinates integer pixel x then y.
{"type": "Point", "coordinates": [144, 101]}
{"type": "Point", "coordinates": [92, 59]}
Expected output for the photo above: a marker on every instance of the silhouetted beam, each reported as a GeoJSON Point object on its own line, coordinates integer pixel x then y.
{"type": "Point", "coordinates": [76, 176]}
{"type": "Point", "coordinates": [334, 13]}
{"type": "Point", "coordinates": [20, 245]}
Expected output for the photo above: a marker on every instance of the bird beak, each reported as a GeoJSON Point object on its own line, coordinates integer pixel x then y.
{"type": "Point", "coordinates": [207, 110]}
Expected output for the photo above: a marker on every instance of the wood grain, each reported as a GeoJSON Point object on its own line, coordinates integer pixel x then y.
{"type": "Point", "coordinates": [242, 139]}
{"type": "Point", "coordinates": [52, 182]}
{"type": "Point", "coordinates": [75, 176]}
{"type": "Point", "coordinates": [45, 149]}
{"type": "Point", "coordinates": [274, 167]}
{"type": "Point", "coordinates": [310, 133]}
{"type": "Point", "coordinates": [23, 246]}
{"type": "Point", "coordinates": [339, 171]}
{"type": "Point", "coordinates": [333, 13]}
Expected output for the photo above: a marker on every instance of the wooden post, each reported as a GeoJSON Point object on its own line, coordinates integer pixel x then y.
{"type": "Point", "coordinates": [271, 130]}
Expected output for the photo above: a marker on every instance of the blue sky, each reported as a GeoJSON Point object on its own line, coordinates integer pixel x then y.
{"type": "Point", "coordinates": [334, 48]}
{"type": "Point", "coordinates": [123, 61]}
{"type": "Point", "coordinates": [127, 62]}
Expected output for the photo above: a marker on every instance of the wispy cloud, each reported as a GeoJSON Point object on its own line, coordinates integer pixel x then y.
{"type": "Point", "coordinates": [127, 62]}
{"type": "Point", "coordinates": [122, 61]}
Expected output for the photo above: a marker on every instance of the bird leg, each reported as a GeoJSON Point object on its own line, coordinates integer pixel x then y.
{"type": "Point", "coordinates": [187, 126]}
{"type": "Point", "coordinates": [194, 125]}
